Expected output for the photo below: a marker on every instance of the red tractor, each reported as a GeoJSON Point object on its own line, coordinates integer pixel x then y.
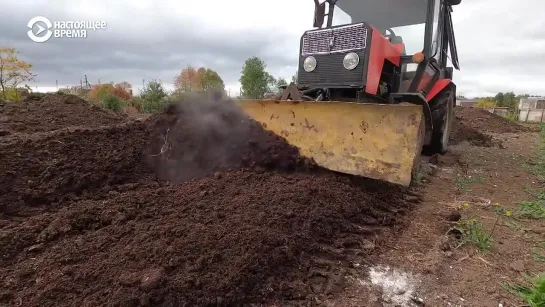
{"type": "Point", "coordinates": [374, 87]}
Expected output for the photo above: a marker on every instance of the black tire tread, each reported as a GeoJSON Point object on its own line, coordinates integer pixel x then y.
{"type": "Point", "coordinates": [438, 109]}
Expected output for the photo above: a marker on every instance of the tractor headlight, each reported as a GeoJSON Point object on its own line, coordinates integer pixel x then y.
{"type": "Point", "coordinates": [351, 60]}
{"type": "Point", "coordinates": [309, 64]}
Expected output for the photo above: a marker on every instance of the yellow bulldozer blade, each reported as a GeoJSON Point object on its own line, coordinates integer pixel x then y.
{"type": "Point", "coordinates": [378, 141]}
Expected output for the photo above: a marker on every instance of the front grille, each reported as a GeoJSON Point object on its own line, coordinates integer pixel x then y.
{"type": "Point", "coordinates": [341, 39]}
{"type": "Point", "coordinates": [331, 72]}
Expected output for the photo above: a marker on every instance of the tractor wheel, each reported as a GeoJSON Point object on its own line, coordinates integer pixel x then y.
{"type": "Point", "coordinates": [442, 112]}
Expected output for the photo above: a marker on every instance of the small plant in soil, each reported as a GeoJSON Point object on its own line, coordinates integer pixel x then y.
{"type": "Point", "coordinates": [537, 164]}
{"type": "Point", "coordinates": [471, 232]}
{"type": "Point", "coordinates": [532, 210]}
{"type": "Point", "coordinates": [514, 225]}
{"type": "Point", "coordinates": [499, 209]}
{"type": "Point", "coordinates": [533, 293]}
{"type": "Point", "coordinates": [463, 182]}
{"type": "Point", "coordinates": [538, 253]}
{"type": "Point", "coordinates": [418, 176]}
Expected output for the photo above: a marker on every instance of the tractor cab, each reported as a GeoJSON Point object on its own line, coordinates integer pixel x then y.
{"type": "Point", "coordinates": [378, 48]}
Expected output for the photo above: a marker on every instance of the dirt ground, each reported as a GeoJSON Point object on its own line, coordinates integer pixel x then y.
{"type": "Point", "coordinates": [199, 206]}
{"type": "Point", "coordinates": [424, 266]}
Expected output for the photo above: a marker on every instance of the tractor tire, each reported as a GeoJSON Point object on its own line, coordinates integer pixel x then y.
{"type": "Point", "coordinates": [442, 112]}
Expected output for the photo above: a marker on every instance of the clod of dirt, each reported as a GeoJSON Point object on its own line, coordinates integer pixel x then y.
{"type": "Point", "coordinates": [453, 216]}
{"type": "Point", "coordinates": [151, 279]}
{"type": "Point", "coordinates": [518, 266]}
{"type": "Point", "coordinates": [47, 112]}
{"type": "Point", "coordinates": [484, 121]}
{"type": "Point", "coordinates": [434, 159]}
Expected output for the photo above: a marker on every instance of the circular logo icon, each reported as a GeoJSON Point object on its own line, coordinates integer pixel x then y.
{"type": "Point", "coordinates": [38, 25]}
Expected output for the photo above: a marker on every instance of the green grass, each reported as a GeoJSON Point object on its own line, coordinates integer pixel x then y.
{"type": "Point", "coordinates": [533, 293]}
{"type": "Point", "coordinates": [514, 225]}
{"type": "Point", "coordinates": [537, 168]}
{"type": "Point", "coordinates": [538, 253]}
{"type": "Point", "coordinates": [536, 193]}
{"type": "Point", "coordinates": [464, 182]}
{"type": "Point", "coordinates": [418, 176]}
{"type": "Point", "coordinates": [472, 233]}
{"type": "Point", "coordinates": [532, 210]}
{"type": "Point", "coordinates": [535, 209]}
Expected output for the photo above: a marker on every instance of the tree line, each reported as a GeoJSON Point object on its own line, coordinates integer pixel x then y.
{"type": "Point", "coordinates": [255, 82]}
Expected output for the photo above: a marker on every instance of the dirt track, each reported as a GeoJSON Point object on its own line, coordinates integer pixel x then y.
{"type": "Point", "coordinates": [194, 206]}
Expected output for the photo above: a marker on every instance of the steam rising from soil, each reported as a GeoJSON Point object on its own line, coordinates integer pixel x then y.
{"type": "Point", "coordinates": [200, 135]}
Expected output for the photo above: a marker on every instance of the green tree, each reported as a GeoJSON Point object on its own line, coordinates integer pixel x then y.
{"type": "Point", "coordinates": [499, 99]}
{"type": "Point", "coordinates": [485, 103]}
{"type": "Point", "coordinates": [153, 96]}
{"type": "Point", "coordinates": [272, 84]}
{"type": "Point", "coordinates": [13, 72]}
{"type": "Point", "coordinates": [510, 100]}
{"type": "Point", "coordinates": [281, 82]}
{"type": "Point", "coordinates": [211, 80]}
{"type": "Point", "coordinates": [255, 81]}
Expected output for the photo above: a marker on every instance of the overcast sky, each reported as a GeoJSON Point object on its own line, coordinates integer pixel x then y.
{"type": "Point", "coordinates": [501, 43]}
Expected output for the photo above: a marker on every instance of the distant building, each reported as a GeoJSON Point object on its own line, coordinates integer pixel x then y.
{"type": "Point", "coordinates": [532, 109]}
{"type": "Point", "coordinates": [466, 102]}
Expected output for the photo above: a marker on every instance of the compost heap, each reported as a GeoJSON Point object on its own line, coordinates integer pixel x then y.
{"type": "Point", "coordinates": [474, 125]}
{"type": "Point", "coordinates": [460, 133]}
{"type": "Point", "coordinates": [197, 205]}
{"type": "Point", "coordinates": [487, 122]}
{"type": "Point", "coordinates": [45, 112]}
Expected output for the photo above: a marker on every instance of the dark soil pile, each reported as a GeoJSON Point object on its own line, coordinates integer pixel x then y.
{"type": "Point", "coordinates": [238, 237]}
{"type": "Point", "coordinates": [46, 112]}
{"type": "Point", "coordinates": [484, 121]}
{"type": "Point", "coordinates": [85, 223]}
{"type": "Point", "coordinates": [203, 137]}
{"type": "Point", "coordinates": [43, 168]}
{"type": "Point", "coordinates": [199, 136]}
{"type": "Point", "coordinates": [460, 133]}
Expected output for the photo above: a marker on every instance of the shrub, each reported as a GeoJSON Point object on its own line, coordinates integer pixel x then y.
{"type": "Point", "coordinates": [11, 94]}
{"type": "Point", "coordinates": [112, 102]}
{"type": "Point", "coordinates": [135, 102]}
{"type": "Point", "coordinates": [153, 97]}
{"type": "Point", "coordinates": [100, 92]}
{"type": "Point", "coordinates": [150, 106]}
